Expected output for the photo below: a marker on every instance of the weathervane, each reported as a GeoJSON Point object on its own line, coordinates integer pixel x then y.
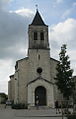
{"type": "Point", "coordinates": [36, 7]}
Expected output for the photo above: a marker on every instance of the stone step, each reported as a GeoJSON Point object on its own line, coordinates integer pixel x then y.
{"type": "Point", "coordinates": [3, 106]}
{"type": "Point", "coordinates": [39, 107]}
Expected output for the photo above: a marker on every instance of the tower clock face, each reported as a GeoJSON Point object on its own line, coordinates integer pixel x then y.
{"type": "Point", "coordinates": [39, 70]}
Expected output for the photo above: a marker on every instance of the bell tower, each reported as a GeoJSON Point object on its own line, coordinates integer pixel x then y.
{"type": "Point", "coordinates": [38, 33]}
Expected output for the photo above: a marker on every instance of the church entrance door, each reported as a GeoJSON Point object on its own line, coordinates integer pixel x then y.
{"type": "Point", "coordinates": [40, 96]}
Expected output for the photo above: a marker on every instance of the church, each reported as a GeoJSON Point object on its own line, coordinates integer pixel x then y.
{"type": "Point", "coordinates": [33, 80]}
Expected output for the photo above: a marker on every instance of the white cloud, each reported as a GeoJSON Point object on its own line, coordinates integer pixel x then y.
{"type": "Point", "coordinates": [3, 3]}
{"type": "Point", "coordinates": [24, 12]}
{"type": "Point", "coordinates": [6, 67]}
{"type": "Point", "coordinates": [59, 1]}
{"type": "Point", "coordinates": [13, 42]}
{"type": "Point", "coordinates": [66, 13]}
{"type": "Point", "coordinates": [74, 4]}
{"type": "Point", "coordinates": [64, 32]}
{"type": "Point", "coordinates": [13, 32]}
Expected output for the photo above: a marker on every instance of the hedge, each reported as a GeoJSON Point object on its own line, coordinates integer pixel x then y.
{"type": "Point", "coordinates": [72, 116]}
{"type": "Point", "coordinates": [19, 106]}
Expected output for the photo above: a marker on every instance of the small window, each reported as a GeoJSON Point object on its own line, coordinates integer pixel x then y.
{"type": "Point", "coordinates": [35, 35]}
{"type": "Point", "coordinates": [39, 57]}
{"type": "Point", "coordinates": [42, 36]}
{"type": "Point", "coordinates": [39, 70]}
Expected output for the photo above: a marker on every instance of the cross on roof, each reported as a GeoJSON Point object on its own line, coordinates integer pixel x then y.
{"type": "Point", "coordinates": [36, 7]}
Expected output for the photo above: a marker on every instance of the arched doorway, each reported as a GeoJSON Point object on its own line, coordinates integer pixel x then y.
{"type": "Point", "coordinates": [40, 96]}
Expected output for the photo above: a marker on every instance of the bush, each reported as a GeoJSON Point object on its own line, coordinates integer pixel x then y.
{"type": "Point", "coordinates": [19, 106]}
{"type": "Point", "coordinates": [72, 117]}
{"type": "Point", "coordinates": [3, 102]}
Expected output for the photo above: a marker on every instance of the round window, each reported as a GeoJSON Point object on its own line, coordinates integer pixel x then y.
{"type": "Point", "coordinates": [39, 70]}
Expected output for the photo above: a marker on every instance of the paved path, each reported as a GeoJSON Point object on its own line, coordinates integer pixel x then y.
{"type": "Point", "coordinates": [29, 114]}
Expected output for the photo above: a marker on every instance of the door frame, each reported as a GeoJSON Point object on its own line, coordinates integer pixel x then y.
{"type": "Point", "coordinates": [39, 100]}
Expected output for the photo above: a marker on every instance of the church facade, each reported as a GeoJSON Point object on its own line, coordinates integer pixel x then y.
{"type": "Point", "coordinates": [33, 81]}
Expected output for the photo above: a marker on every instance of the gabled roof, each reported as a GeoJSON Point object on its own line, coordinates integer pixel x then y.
{"type": "Point", "coordinates": [11, 76]}
{"type": "Point", "coordinates": [54, 59]}
{"type": "Point", "coordinates": [39, 78]}
{"type": "Point", "coordinates": [38, 20]}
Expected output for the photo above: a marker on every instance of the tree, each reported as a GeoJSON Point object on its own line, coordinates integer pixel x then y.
{"type": "Point", "coordinates": [63, 78]}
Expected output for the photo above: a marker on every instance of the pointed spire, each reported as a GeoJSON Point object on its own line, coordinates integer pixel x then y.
{"type": "Point", "coordinates": [38, 20]}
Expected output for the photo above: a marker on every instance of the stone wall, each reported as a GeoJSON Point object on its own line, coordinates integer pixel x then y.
{"type": "Point", "coordinates": [11, 88]}
{"type": "Point", "coordinates": [21, 82]}
{"type": "Point", "coordinates": [39, 58]}
{"type": "Point", "coordinates": [38, 43]}
{"type": "Point", "coordinates": [49, 90]}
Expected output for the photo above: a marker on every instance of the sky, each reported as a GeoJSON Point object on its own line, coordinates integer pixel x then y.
{"type": "Point", "coordinates": [16, 15]}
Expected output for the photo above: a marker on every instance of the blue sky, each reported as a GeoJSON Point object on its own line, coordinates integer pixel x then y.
{"type": "Point", "coordinates": [16, 15]}
{"type": "Point", "coordinates": [53, 10]}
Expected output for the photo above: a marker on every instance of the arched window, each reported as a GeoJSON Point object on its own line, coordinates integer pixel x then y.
{"type": "Point", "coordinates": [35, 35]}
{"type": "Point", "coordinates": [41, 36]}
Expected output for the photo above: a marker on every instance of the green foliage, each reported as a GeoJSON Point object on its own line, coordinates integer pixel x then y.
{"type": "Point", "coordinates": [19, 106]}
{"type": "Point", "coordinates": [63, 78]}
{"type": "Point", "coordinates": [72, 117]}
{"type": "Point", "coordinates": [4, 97]}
